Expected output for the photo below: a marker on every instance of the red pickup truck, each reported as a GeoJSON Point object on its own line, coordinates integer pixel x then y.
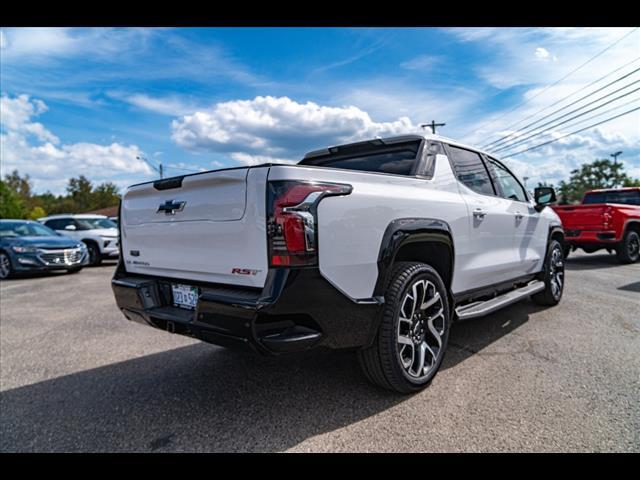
{"type": "Point", "coordinates": [607, 218]}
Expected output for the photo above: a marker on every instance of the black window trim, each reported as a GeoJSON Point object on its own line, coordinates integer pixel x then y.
{"type": "Point", "coordinates": [447, 147]}
{"type": "Point", "coordinates": [486, 158]}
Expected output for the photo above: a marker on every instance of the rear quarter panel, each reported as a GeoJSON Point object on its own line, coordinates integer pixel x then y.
{"type": "Point", "coordinates": [350, 228]}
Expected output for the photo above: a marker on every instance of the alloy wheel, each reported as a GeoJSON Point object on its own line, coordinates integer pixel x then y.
{"type": "Point", "coordinates": [421, 326]}
{"type": "Point", "coordinates": [633, 247]}
{"type": "Point", "coordinates": [5, 265]}
{"type": "Point", "coordinates": [556, 272]}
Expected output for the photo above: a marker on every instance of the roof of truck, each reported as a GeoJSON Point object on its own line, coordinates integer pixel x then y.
{"type": "Point", "coordinates": [397, 139]}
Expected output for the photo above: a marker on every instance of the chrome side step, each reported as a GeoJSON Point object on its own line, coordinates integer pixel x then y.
{"type": "Point", "coordinates": [478, 309]}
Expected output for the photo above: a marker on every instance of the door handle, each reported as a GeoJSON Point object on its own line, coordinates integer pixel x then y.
{"type": "Point", "coordinates": [519, 216]}
{"type": "Point", "coordinates": [479, 213]}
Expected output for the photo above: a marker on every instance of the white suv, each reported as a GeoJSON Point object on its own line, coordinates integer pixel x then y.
{"type": "Point", "coordinates": [98, 233]}
{"type": "Point", "coordinates": [376, 246]}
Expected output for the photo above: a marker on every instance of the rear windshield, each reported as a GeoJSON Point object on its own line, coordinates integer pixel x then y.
{"type": "Point", "coordinates": [397, 159]}
{"type": "Point", "coordinates": [630, 197]}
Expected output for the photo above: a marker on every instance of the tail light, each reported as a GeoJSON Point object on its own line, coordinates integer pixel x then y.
{"type": "Point", "coordinates": [606, 216]}
{"type": "Point", "coordinates": [292, 220]}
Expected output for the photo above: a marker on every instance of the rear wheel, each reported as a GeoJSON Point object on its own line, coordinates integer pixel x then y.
{"type": "Point", "coordinates": [629, 248]}
{"type": "Point", "coordinates": [566, 251]}
{"type": "Point", "coordinates": [414, 331]}
{"type": "Point", "coordinates": [553, 276]}
{"type": "Point", "coordinates": [94, 254]}
{"type": "Point", "coordinates": [6, 270]}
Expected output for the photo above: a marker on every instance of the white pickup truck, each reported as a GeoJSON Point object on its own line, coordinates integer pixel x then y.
{"type": "Point", "coordinates": [375, 246]}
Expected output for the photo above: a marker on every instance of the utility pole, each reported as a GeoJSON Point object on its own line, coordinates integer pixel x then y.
{"type": "Point", "coordinates": [615, 162]}
{"type": "Point", "coordinates": [615, 157]}
{"type": "Point", "coordinates": [432, 125]}
{"type": "Point", "coordinates": [158, 169]}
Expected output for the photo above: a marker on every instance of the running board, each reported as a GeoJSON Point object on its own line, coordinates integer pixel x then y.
{"type": "Point", "coordinates": [478, 309]}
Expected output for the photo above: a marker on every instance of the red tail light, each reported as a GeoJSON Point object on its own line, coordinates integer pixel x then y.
{"type": "Point", "coordinates": [606, 216]}
{"type": "Point", "coordinates": [292, 220]}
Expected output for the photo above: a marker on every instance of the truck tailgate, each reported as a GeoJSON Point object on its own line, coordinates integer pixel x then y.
{"type": "Point", "coordinates": [209, 228]}
{"type": "Point", "coordinates": [581, 217]}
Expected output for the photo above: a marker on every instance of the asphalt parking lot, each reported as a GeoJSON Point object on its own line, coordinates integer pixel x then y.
{"type": "Point", "coordinates": [76, 376]}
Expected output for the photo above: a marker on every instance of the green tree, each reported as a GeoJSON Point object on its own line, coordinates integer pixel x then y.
{"type": "Point", "coordinates": [36, 213]}
{"type": "Point", "coordinates": [105, 195]}
{"type": "Point", "coordinates": [11, 205]}
{"type": "Point", "coordinates": [80, 191]}
{"type": "Point", "coordinates": [598, 174]}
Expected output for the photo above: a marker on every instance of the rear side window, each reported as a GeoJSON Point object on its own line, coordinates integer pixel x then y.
{"type": "Point", "coordinates": [396, 159]}
{"type": "Point", "coordinates": [470, 170]}
{"type": "Point", "coordinates": [626, 197]}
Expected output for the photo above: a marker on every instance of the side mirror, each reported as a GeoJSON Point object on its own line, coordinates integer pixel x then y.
{"type": "Point", "coordinates": [70, 227]}
{"type": "Point", "coordinates": [543, 197]}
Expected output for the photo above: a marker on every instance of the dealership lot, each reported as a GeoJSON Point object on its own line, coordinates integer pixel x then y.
{"type": "Point", "coordinates": [76, 376]}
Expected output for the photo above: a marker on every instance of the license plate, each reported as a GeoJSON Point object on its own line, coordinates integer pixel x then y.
{"type": "Point", "coordinates": [184, 296]}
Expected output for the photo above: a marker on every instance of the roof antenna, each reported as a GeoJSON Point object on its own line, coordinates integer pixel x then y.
{"type": "Point", "coordinates": [432, 125]}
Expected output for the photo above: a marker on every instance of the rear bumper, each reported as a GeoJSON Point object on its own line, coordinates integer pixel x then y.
{"type": "Point", "coordinates": [296, 310]}
{"type": "Point", "coordinates": [590, 237]}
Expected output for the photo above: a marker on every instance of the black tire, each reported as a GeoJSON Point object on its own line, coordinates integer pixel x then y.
{"type": "Point", "coordinates": [95, 258]}
{"type": "Point", "coordinates": [74, 270]}
{"type": "Point", "coordinates": [628, 250]}
{"type": "Point", "coordinates": [566, 251]}
{"type": "Point", "coordinates": [553, 276]}
{"type": "Point", "coordinates": [382, 362]}
{"type": "Point", "coordinates": [6, 268]}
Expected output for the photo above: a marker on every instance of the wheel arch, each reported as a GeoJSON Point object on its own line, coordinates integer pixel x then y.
{"type": "Point", "coordinates": [426, 240]}
{"type": "Point", "coordinates": [556, 232]}
{"type": "Point", "coordinates": [633, 224]}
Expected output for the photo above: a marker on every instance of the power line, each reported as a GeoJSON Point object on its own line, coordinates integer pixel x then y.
{"type": "Point", "coordinates": [518, 142]}
{"type": "Point", "coordinates": [600, 114]}
{"type": "Point", "coordinates": [558, 81]}
{"type": "Point", "coordinates": [572, 133]}
{"type": "Point", "coordinates": [504, 138]}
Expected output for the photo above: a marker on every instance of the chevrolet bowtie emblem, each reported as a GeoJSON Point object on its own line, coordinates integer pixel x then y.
{"type": "Point", "coordinates": [170, 207]}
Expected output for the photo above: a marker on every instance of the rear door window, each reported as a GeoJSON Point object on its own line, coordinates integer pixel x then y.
{"type": "Point", "coordinates": [470, 170]}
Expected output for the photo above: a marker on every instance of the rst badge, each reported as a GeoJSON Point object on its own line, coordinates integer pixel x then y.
{"type": "Point", "coordinates": [244, 271]}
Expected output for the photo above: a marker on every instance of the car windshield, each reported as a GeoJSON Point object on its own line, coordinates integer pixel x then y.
{"type": "Point", "coordinates": [93, 223]}
{"type": "Point", "coordinates": [629, 197]}
{"type": "Point", "coordinates": [25, 229]}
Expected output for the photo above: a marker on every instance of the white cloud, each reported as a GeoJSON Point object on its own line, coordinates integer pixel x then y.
{"type": "Point", "coordinates": [32, 149]}
{"type": "Point", "coordinates": [268, 128]}
{"type": "Point", "coordinates": [422, 62]}
{"type": "Point", "coordinates": [171, 105]}
{"type": "Point", "coordinates": [543, 54]}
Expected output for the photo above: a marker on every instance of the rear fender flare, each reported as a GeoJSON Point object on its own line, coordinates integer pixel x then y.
{"type": "Point", "coordinates": [403, 231]}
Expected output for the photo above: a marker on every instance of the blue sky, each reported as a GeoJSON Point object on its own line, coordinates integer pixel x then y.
{"type": "Point", "coordinates": [89, 101]}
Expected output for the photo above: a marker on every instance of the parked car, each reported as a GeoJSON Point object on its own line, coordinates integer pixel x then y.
{"type": "Point", "coordinates": [607, 219]}
{"type": "Point", "coordinates": [114, 220]}
{"type": "Point", "coordinates": [99, 234]}
{"type": "Point", "coordinates": [375, 246]}
{"type": "Point", "coordinates": [27, 246]}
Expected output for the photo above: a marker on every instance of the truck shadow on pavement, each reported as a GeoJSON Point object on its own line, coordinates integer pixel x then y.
{"type": "Point", "coordinates": [593, 261]}
{"type": "Point", "coordinates": [204, 398]}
